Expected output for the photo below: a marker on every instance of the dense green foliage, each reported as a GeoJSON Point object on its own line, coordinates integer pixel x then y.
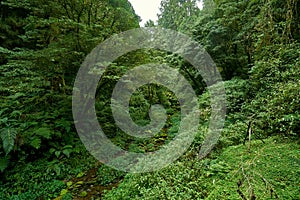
{"type": "Point", "coordinates": [217, 178]}
{"type": "Point", "coordinates": [39, 62]}
{"type": "Point", "coordinates": [256, 47]}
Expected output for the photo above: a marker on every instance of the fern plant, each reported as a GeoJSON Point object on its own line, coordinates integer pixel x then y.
{"type": "Point", "coordinates": [8, 137]}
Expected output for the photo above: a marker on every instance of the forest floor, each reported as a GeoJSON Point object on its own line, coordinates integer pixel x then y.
{"type": "Point", "coordinates": [265, 171]}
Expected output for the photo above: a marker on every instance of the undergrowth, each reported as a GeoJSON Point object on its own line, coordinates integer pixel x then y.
{"type": "Point", "coordinates": [269, 170]}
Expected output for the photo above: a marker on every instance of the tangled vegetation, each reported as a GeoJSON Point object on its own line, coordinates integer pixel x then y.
{"type": "Point", "coordinates": [256, 47]}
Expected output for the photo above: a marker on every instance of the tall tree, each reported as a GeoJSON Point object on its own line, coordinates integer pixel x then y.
{"type": "Point", "coordinates": [177, 14]}
{"type": "Point", "coordinates": [42, 45]}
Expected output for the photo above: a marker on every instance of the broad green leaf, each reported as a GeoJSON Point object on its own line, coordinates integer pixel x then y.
{"type": "Point", "coordinates": [43, 132]}
{"type": "Point", "coordinates": [67, 152]}
{"type": "Point", "coordinates": [52, 150]}
{"type": "Point", "coordinates": [68, 147]}
{"type": "Point", "coordinates": [57, 153]}
{"type": "Point", "coordinates": [36, 142]}
{"type": "Point", "coordinates": [3, 163]}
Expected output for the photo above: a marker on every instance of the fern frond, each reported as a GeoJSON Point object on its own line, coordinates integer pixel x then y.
{"type": "Point", "coordinates": [8, 137]}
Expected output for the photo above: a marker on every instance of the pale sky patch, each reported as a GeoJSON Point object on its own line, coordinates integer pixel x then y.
{"type": "Point", "coordinates": [146, 9]}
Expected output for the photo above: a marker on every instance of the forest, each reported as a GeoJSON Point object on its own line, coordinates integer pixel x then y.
{"type": "Point", "coordinates": [255, 45]}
